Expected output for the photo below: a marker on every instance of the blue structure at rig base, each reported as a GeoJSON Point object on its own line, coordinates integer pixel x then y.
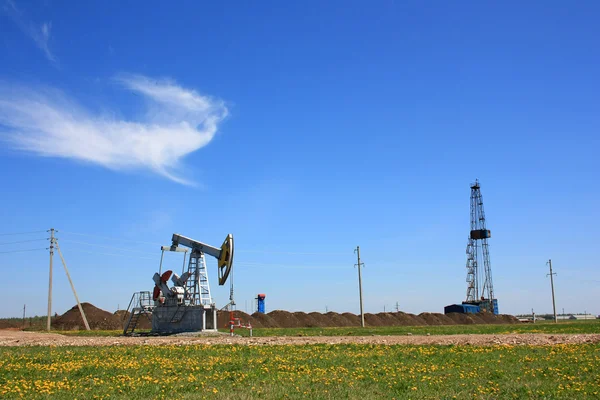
{"type": "Point", "coordinates": [470, 308]}
{"type": "Point", "coordinates": [260, 302]}
{"type": "Point", "coordinates": [462, 309]}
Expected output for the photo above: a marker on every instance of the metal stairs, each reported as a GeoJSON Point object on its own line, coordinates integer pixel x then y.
{"type": "Point", "coordinates": [141, 304]}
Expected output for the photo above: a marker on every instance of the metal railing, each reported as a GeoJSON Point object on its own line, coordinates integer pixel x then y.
{"type": "Point", "coordinates": [140, 303]}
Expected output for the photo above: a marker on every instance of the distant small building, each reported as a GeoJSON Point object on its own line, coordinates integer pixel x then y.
{"type": "Point", "coordinates": [570, 317]}
{"type": "Point", "coordinates": [582, 316]}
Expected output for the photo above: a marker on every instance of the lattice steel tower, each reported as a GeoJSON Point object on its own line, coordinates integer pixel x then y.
{"type": "Point", "coordinates": [480, 289]}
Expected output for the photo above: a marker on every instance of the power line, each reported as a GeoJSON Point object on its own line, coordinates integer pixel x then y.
{"type": "Point", "coordinates": [111, 238]}
{"type": "Point", "coordinates": [290, 253]}
{"type": "Point", "coordinates": [237, 251]}
{"type": "Point", "coordinates": [22, 241]}
{"type": "Point", "coordinates": [258, 265]}
{"type": "Point", "coordinates": [157, 244]}
{"type": "Point", "coordinates": [110, 254]}
{"type": "Point", "coordinates": [106, 247]}
{"type": "Point", "coordinates": [21, 251]}
{"type": "Point", "coordinates": [20, 233]}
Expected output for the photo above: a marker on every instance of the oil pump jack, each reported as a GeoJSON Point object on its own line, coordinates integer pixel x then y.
{"type": "Point", "coordinates": [187, 306]}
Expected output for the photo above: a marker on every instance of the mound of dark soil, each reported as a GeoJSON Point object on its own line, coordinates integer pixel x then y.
{"type": "Point", "coordinates": [407, 319]}
{"type": "Point", "coordinates": [264, 320]}
{"type": "Point", "coordinates": [388, 319]}
{"type": "Point", "coordinates": [373, 320]}
{"type": "Point", "coordinates": [489, 318]}
{"type": "Point", "coordinates": [336, 319]}
{"type": "Point", "coordinates": [430, 319]}
{"type": "Point", "coordinates": [477, 318]}
{"type": "Point", "coordinates": [121, 314]}
{"type": "Point", "coordinates": [508, 319]}
{"type": "Point", "coordinates": [285, 319]}
{"type": "Point", "coordinates": [353, 319]}
{"type": "Point", "coordinates": [445, 319]}
{"type": "Point", "coordinates": [97, 319]}
{"type": "Point", "coordinates": [320, 319]}
{"type": "Point", "coordinates": [223, 319]}
{"type": "Point", "coordinates": [306, 320]}
{"type": "Point", "coordinates": [244, 317]}
{"type": "Point", "coordinates": [461, 319]}
{"type": "Point", "coordinates": [100, 319]}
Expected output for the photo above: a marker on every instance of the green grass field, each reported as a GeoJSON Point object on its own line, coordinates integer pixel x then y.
{"type": "Point", "coordinates": [308, 371]}
{"type": "Point", "coordinates": [311, 371]}
{"type": "Point", "coordinates": [591, 326]}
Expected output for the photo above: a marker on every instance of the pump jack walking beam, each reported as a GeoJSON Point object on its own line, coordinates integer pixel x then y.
{"type": "Point", "coordinates": [224, 255]}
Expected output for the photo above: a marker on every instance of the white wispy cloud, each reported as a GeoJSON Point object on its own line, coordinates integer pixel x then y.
{"type": "Point", "coordinates": [177, 122]}
{"type": "Point", "coordinates": [40, 34]}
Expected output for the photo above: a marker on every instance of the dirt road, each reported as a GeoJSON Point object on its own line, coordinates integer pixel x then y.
{"type": "Point", "coordinates": [20, 338]}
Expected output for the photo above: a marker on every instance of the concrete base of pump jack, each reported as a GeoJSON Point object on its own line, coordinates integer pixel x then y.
{"type": "Point", "coordinates": [176, 319]}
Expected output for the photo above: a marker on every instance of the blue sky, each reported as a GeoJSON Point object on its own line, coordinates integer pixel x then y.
{"type": "Point", "coordinates": [304, 129]}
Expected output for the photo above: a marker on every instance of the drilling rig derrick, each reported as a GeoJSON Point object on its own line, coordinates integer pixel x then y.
{"type": "Point", "coordinates": [480, 289]}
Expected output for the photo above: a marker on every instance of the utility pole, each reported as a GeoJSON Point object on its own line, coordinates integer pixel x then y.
{"type": "Point", "coordinates": [24, 315]}
{"type": "Point", "coordinates": [50, 280]}
{"type": "Point", "coordinates": [552, 284]}
{"type": "Point", "coordinates": [397, 307]}
{"type": "Point", "coordinates": [362, 315]}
